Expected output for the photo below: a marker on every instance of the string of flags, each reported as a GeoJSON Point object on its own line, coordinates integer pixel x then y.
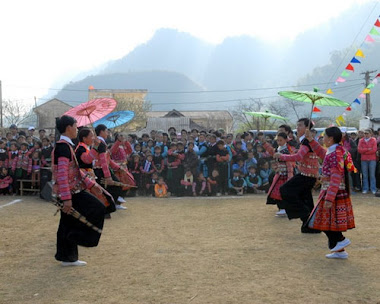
{"type": "Point", "coordinates": [350, 69]}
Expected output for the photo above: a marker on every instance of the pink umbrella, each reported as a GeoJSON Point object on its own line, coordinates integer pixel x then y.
{"type": "Point", "coordinates": [88, 112]}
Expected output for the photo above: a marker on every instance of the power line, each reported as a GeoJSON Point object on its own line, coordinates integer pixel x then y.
{"type": "Point", "coordinates": [197, 92]}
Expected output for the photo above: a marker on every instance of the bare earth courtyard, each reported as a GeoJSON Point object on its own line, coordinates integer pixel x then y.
{"type": "Point", "coordinates": [188, 250]}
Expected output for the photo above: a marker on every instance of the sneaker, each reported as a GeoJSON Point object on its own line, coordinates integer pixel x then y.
{"type": "Point", "coordinates": [120, 207]}
{"type": "Point", "coordinates": [121, 200]}
{"type": "Point", "coordinates": [337, 255]}
{"type": "Point", "coordinates": [281, 212]}
{"type": "Point", "coordinates": [76, 263]}
{"type": "Point", "coordinates": [219, 194]}
{"type": "Point", "coordinates": [340, 245]}
{"type": "Point", "coordinates": [374, 192]}
{"type": "Point", "coordinates": [364, 191]}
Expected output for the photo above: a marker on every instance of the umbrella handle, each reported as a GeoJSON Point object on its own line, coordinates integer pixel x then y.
{"type": "Point", "coordinates": [311, 113]}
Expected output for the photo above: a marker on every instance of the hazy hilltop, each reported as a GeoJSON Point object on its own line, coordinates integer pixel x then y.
{"type": "Point", "coordinates": [174, 61]}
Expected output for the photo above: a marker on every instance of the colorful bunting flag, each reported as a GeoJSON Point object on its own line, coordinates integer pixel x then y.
{"type": "Point", "coordinates": [341, 119]}
{"type": "Point", "coordinates": [329, 91]}
{"type": "Point", "coordinates": [375, 81]}
{"type": "Point", "coordinates": [370, 86]}
{"type": "Point", "coordinates": [345, 74]}
{"type": "Point", "coordinates": [315, 109]}
{"type": "Point", "coordinates": [350, 67]}
{"type": "Point", "coordinates": [374, 32]}
{"type": "Point", "coordinates": [361, 95]}
{"type": "Point", "coordinates": [377, 23]}
{"type": "Point", "coordinates": [359, 53]}
{"type": "Point", "coordinates": [348, 109]}
{"type": "Point", "coordinates": [354, 60]}
{"type": "Point", "coordinates": [340, 79]}
{"type": "Point", "coordinates": [366, 91]}
{"type": "Point", "coordinates": [378, 75]}
{"type": "Point", "coordinates": [369, 39]}
{"type": "Point", "coordinates": [357, 101]}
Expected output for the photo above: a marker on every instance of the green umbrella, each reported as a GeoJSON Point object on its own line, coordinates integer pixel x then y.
{"type": "Point", "coordinates": [265, 115]}
{"type": "Point", "coordinates": [314, 98]}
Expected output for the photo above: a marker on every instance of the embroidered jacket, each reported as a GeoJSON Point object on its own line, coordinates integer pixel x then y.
{"type": "Point", "coordinates": [283, 167]}
{"type": "Point", "coordinates": [120, 152]}
{"type": "Point", "coordinates": [5, 181]}
{"type": "Point", "coordinates": [68, 179]}
{"type": "Point", "coordinates": [332, 168]}
{"type": "Point", "coordinates": [306, 159]}
{"type": "Point", "coordinates": [104, 160]}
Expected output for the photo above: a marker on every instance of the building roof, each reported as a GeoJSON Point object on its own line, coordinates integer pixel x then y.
{"type": "Point", "coordinates": [51, 100]}
{"type": "Point", "coordinates": [214, 114]}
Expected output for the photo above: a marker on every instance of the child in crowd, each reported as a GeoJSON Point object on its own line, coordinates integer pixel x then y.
{"type": "Point", "coordinates": [150, 184]}
{"type": "Point", "coordinates": [253, 181]}
{"type": "Point", "coordinates": [36, 166]}
{"type": "Point", "coordinates": [240, 165]}
{"type": "Point", "coordinates": [222, 159]}
{"type": "Point", "coordinates": [134, 168]}
{"type": "Point", "coordinates": [147, 169]}
{"type": "Point", "coordinates": [265, 172]}
{"type": "Point", "coordinates": [160, 188]}
{"type": "Point", "coordinates": [186, 188]}
{"type": "Point", "coordinates": [250, 161]}
{"type": "Point", "coordinates": [199, 186]}
{"type": "Point", "coordinates": [237, 183]}
{"type": "Point", "coordinates": [212, 183]}
{"type": "Point", "coordinates": [5, 181]}
{"type": "Point", "coordinates": [3, 154]}
{"type": "Point", "coordinates": [158, 160]}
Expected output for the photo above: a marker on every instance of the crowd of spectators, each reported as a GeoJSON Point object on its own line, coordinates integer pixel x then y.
{"type": "Point", "coordinates": [183, 163]}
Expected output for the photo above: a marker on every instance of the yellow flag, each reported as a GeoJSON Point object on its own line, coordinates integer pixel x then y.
{"type": "Point", "coordinates": [337, 122]}
{"type": "Point", "coordinates": [359, 53]}
{"type": "Point", "coordinates": [329, 91]}
{"type": "Point", "coordinates": [341, 119]}
{"type": "Point", "coordinates": [366, 91]}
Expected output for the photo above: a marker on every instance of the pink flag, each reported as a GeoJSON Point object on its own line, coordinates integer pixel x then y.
{"type": "Point", "coordinates": [340, 79]}
{"type": "Point", "coordinates": [369, 39]}
{"type": "Point", "coordinates": [362, 95]}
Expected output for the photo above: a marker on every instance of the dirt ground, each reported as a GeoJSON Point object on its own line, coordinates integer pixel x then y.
{"type": "Point", "coordinates": [188, 250]}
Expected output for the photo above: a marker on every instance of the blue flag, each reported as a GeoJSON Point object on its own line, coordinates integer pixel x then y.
{"type": "Point", "coordinates": [354, 60]}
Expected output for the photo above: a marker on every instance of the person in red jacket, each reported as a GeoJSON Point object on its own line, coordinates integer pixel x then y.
{"type": "Point", "coordinates": [367, 149]}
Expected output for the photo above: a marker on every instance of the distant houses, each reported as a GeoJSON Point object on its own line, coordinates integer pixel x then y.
{"type": "Point", "coordinates": [47, 112]}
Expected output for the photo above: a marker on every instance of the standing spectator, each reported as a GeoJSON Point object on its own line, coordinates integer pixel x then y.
{"type": "Point", "coordinates": [351, 147]}
{"type": "Point", "coordinates": [14, 131]}
{"type": "Point", "coordinates": [367, 149]}
{"type": "Point", "coordinates": [222, 159]}
{"type": "Point", "coordinates": [191, 159]}
{"type": "Point", "coordinates": [42, 134]}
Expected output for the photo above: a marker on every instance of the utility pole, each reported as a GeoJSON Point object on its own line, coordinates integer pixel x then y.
{"type": "Point", "coordinates": [367, 96]}
{"type": "Point", "coordinates": [1, 108]}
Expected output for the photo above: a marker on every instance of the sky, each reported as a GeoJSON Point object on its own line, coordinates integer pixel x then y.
{"type": "Point", "coordinates": [45, 43]}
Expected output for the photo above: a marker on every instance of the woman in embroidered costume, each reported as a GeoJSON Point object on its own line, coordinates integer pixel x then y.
{"type": "Point", "coordinates": [284, 171]}
{"type": "Point", "coordinates": [86, 156]}
{"type": "Point", "coordinates": [333, 213]}
{"type": "Point", "coordinates": [69, 187]}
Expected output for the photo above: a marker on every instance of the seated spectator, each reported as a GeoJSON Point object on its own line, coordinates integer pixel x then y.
{"type": "Point", "coordinates": [250, 161]}
{"type": "Point", "coordinates": [5, 181]}
{"type": "Point", "coordinates": [186, 188]}
{"type": "Point", "coordinates": [265, 172]}
{"type": "Point", "coordinates": [212, 184]}
{"type": "Point", "coordinates": [253, 181]}
{"type": "Point", "coordinates": [237, 184]}
{"type": "Point", "coordinates": [240, 165]}
{"type": "Point", "coordinates": [199, 186]}
{"type": "Point", "coordinates": [161, 189]}
{"type": "Point", "coordinates": [150, 184]}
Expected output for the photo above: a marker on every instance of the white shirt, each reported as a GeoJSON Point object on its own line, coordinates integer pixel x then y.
{"type": "Point", "coordinates": [331, 149]}
{"type": "Point", "coordinates": [65, 138]}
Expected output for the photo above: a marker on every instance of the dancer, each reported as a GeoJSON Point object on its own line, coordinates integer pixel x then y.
{"type": "Point", "coordinates": [104, 168]}
{"type": "Point", "coordinates": [86, 156]}
{"type": "Point", "coordinates": [333, 213]}
{"type": "Point", "coordinates": [284, 171]}
{"type": "Point", "coordinates": [296, 192]}
{"type": "Point", "coordinates": [69, 186]}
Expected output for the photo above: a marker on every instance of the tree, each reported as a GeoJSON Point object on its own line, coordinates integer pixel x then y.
{"type": "Point", "coordinates": [139, 107]}
{"type": "Point", "coordinates": [246, 122]}
{"type": "Point", "coordinates": [14, 111]}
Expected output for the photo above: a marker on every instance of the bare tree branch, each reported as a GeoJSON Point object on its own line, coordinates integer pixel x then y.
{"type": "Point", "coordinates": [14, 111]}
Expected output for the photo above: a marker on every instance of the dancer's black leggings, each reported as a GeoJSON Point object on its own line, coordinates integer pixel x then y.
{"type": "Point", "coordinates": [334, 237]}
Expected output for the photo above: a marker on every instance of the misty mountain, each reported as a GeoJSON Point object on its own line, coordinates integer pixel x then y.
{"type": "Point", "coordinates": [174, 61]}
